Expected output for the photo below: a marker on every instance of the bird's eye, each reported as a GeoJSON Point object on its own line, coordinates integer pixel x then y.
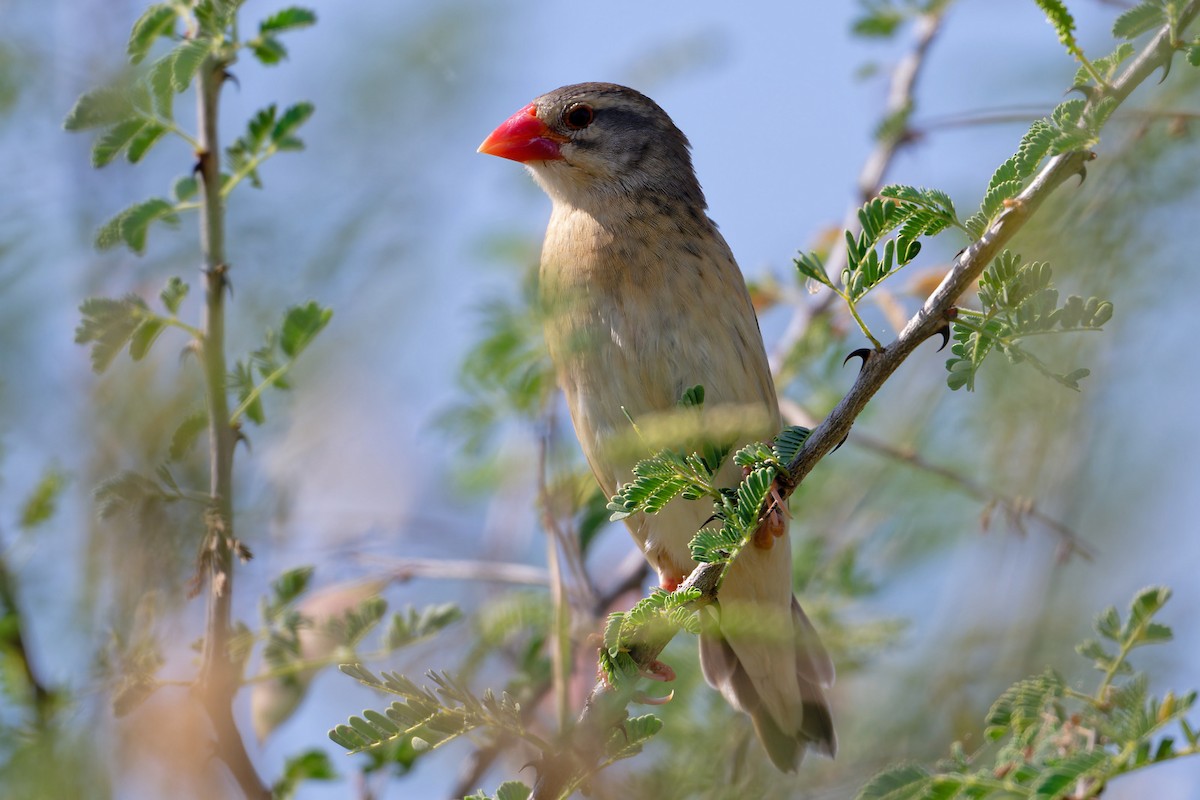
{"type": "Point", "coordinates": [578, 116]}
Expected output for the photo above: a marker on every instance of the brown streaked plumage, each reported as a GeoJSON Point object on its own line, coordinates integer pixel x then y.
{"type": "Point", "coordinates": [644, 300]}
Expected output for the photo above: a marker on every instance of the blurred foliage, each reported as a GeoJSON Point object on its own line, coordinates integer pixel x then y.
{"type": "Point", "coordinates": [1053, 741]}
{"type": "Point", "coordinates": [853, 547]}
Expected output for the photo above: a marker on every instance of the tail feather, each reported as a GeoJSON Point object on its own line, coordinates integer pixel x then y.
{"type": "Point", "coordinates": [784, 732]}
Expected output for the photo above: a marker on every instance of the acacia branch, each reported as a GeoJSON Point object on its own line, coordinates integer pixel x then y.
{"type": "Point", "coordinates": [219, 678]}
{"type": "Point", "coordinates": [559, 773]}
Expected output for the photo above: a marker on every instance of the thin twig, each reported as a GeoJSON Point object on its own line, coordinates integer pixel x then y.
{"type": "Point", "coordinates": [606, 706]}
{"type": "Point", "coordinates": [1069, 542]}
{"type": "Point", "coordinates": [560, 632]}
{"type": "Point", "coordinates": [451, 569]}
{"type": "Point", "coordinates": [901, 94]}
{"type": "Point", "coordinates": [219, 677]}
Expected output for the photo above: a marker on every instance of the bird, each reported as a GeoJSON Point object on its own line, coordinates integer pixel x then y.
{"type": "Point", "coordinates": [642, 299]}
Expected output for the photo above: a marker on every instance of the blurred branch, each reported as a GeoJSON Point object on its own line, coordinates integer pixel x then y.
{"type": "Point", "coordinates": [406, 569]}
{"type": "Point", "coordinates": [559, 773]}
{"type": "Point", "coordinates": [1015, 508]}
{"type": "Point", "coordinates": [631, 575]}
{"type": "Point", "coordinates": [219, 678]}
{"type": "Point", "coordinates": [560, 629]}
{"type": "Point", "coordinates": [899, 106]}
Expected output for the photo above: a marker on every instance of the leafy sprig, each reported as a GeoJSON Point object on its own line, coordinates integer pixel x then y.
{"type": "Point", "coordinates": [135, 113]}
{"type": "Point", "coordinates": [268, 365]}
{"type": "Point", "coordinates": [1048, 741]}
{"type": "Point", "coordinates": [428, 718]}
{"type": "Point", "coordinates": [909, 211]}
{"type": "Point", "coordinates": [1019, 300]}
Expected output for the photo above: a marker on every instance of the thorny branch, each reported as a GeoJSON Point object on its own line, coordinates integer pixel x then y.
{"type": "Point", "coordinates": [219, 673]}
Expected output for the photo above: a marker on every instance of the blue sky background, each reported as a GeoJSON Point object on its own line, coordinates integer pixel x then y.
{"type": "Point", "coordinates": [393, 220]}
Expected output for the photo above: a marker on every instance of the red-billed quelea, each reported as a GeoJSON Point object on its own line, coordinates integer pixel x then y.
{"type": "Point", "coordinates": [643, 300]}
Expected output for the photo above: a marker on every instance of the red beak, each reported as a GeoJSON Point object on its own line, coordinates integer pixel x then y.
{"type": "Point", "coordinates": [523, 137]}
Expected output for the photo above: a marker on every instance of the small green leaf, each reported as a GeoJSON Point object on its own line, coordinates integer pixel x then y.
{"type": "Point", "coordinates": [173, 293]}
{"type": "Point", "coordinates": [287, 19]}
{"type": "Point", "coordinates": [513, 790]}
{"type": "Point", "coordinates": [1143, 17]}
{"type": "Point", "coordinates": [185, 61]}
{"type": "Point", "coordinates": [100, 107]}
{"type": "Point", "coordinates": [42, 502]}
{"type": "Point", "coordinates": [300, 325]}
{"type": "Point", "coordinates": [107, 325]}
{"type": "Point", "coordinates": [1055, 782]}
{"type": "Point", "coordinates": [311, 765]}
{"type": "Point", "coordinates": [143, 337]}
{"type": "Point", "coordinates": [162, 88]}
{"type": "Point", "coordinates": [109, 145]}
{"type": "Point", "coordinates": [157, 20]}
{"type": "Point", "coordinates": [692, 397]}
{"type": "Point", "coordinates": [901, 782]}
{"type": "Point", "coordinates": [290, 585]}
{"type": "Point", "coordinates": [185, 188]}
{"type": "Point", "coordinates": [130, 226]}
{"type": "Point", "coordinates": [290, 120]}
{"type": "Point", "coordinates": [186, 434]}
{"type": "Point", "coordinates": [1062, 21]}
{"type": "Point", "coordinates": [1193, 53]}
{"type": "Point", "coordinates": [241, 381]}
{"type": "Point", "coordinates": [268, 50]}
{"type": "Point", "coordinates": [1108, 624]}
{"type": "Point", "coordinates": [145, 139]}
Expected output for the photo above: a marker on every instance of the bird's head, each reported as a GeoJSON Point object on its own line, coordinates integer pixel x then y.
{"type": "Point", "coordinates": [593, 143]}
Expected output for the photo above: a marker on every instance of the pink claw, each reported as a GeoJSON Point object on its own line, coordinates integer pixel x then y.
{"type": "Point", "coordinates": [658, 671]}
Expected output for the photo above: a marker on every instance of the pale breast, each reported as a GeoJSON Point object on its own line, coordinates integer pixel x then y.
{"type": "Point", "coordinates": [639, 309]}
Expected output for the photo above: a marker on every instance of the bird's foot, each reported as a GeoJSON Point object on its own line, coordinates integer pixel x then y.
{"type": "Point", "coordinates": [669, 583]}
{"type": "Point", "coordinates": [658, 671]}
{"type": "Point", "coordinates": [774, 523]}
{"type": "Point", "coordinates": [649, 700]}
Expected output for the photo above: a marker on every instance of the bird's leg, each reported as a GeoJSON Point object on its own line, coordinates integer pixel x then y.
{"type": "Point", "coordinates": [656, 671]}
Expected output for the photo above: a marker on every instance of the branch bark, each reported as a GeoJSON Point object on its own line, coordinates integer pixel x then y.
{"type": "Point", "coordinates": [219, 678]}
{"type": "Point", "coordinates": [560, 773]}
